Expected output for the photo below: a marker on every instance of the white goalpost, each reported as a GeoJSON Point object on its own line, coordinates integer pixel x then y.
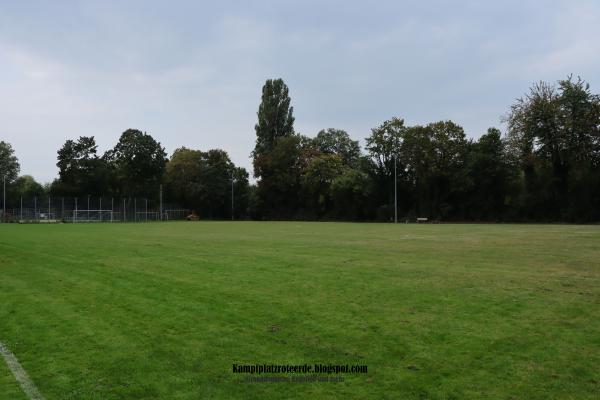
{"type": "Point", "coordinates": [93, 216]}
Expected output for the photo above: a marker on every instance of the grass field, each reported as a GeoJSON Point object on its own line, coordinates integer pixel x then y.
{"type": "Point", "coordinates": [163, 310]}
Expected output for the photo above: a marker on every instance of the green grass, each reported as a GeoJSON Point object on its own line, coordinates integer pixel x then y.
{"type": "Point", "coordinates": [163, 310]}
{"type": "Point", "coordinates": [9, 388]}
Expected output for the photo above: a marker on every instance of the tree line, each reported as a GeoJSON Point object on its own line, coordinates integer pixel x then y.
{"type": "Point", "coordinates": [545, 168]}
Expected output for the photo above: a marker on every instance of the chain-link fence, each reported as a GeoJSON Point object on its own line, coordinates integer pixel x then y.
{"type": "Point", "coordinates": [90, 209]}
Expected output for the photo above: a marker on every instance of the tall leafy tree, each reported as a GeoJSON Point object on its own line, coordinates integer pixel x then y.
{"type": "Point", "coordinates": [276, 151]}
{"type": "Point", "coordinates": [351, 191]}
{"type": "Point", "coordinates": [9, 164]}
{"type": "Point", "coordinates": [535, 132]}
{"type": "Point", "coordinates": [202, 181]}
{"type": "Point", "coordinates": [9, 170]}
{"type": "Point", "coordinates": [27, 187]}
{"type": "Point", "coordinates": [447, 179]}
{"type": "Point", "coordinates": [216, 175]}
{"type": "Point", "coordinates": [449, 182]}
{"type": "Point", "coordinates": [80, 169]}
{"type": "Point", "coordinates": [275, 116]}
{"type": "Point", "coordinates": [278, 191]}
{"type": "Point", "coordinates": [241, 193]}
{"type": "Point", "coordinates": [579, 119]}
{"type": "Point", "coordinates": [183, 177]}
{"type": "Point", "coordinates": [554, 131]}
{"type": "Point", "coordinates": [337, 141]}
{"type": "Point", "coordinates": [384, 146]}
{"type": "Point", "coordinates": [491, 177]}
{"type": "Point", "coordinates": [317, 178]}
{"type": "Point", "coordinates": [139, 163]}
{"type": "Point", "coordinates": [417, 153]}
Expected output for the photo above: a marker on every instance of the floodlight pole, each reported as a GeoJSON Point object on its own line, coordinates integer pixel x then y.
{"type": "Point", "coordinates": [4, 198]}
{"type": "Point", "coordinates": [75, 212]}
{"type": "Point", "coordinates": [146, 210]}
{"type": "Point", "coordinates": [35, 207]}
{"type": "Point", "coordinates": [100, 207]}
{"type": "Point", "coordinates": [232, 196]}
{"type": "Point", "coordinates": [21, 213]}
{"type": "Point", "coordinates": [395, 192]}
{"type": "Point", "coordinates": [161, 203]}
{"type": "Point", "coordinates": [135, 217]}
{"type": "Point", "coordinates": [111, 208]}
{"type": "Point", "coordinates": [48, 208]}
{"type": "Point", "coordinates": [88, 209]}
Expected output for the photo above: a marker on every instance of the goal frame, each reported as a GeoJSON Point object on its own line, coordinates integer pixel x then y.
{"type": "Point", "coordinates": [100, 214]}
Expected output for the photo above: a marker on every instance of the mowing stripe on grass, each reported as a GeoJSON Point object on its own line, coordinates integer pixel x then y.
{"type": "Point", "coordinates": [20, 375]}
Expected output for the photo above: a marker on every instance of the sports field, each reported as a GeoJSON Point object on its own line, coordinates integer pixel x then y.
{"type": "Point", "coordinates": [163, 310]}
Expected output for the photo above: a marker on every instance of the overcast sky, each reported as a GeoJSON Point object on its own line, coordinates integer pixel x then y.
{"type": "Point", "coordinates": [190, 73]}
